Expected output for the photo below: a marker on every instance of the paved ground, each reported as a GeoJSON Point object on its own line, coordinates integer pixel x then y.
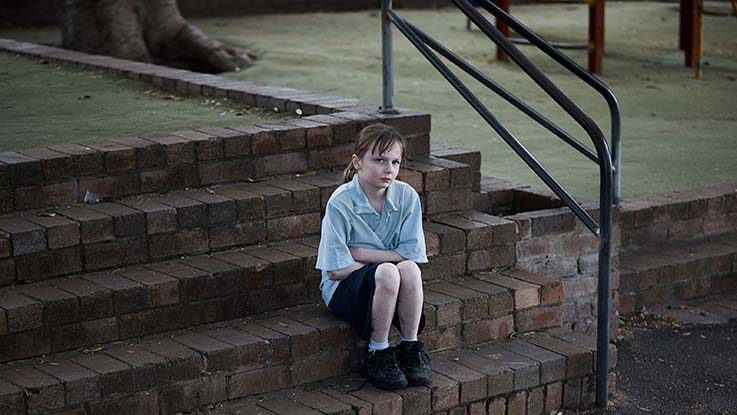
{"type": "Point", "coordinates": [676, 366]}
{"type": "Point", "coordinates": [677, 132]}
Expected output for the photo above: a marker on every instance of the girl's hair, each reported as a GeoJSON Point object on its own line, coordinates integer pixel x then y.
{"type": "Point", "coordinates": [374, 137]}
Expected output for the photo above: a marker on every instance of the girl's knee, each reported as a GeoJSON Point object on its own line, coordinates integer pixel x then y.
{"type": "Point", "coordinates": [387, 276]}
{"type": "Point", "coordinates": [409, 270]}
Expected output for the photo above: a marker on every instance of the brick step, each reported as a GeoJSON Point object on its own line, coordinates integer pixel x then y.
{"type": "Point", "coordinates": [74, 311]}
{"type": "Point", "coordinates": [533, 375]}
{"type": "Point", "coordinates": [503, 197]}
{"type": "Point", "coordinates": [681, 271]}
{"type": "Point", "coordinates": [36, 245]}
{"type": "Point", "coordinates": [181, 370]}
{"type": "Point", "coordinates": [66, 313]}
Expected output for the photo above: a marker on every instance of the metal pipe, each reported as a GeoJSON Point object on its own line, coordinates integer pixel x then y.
{"type": "Point", "coordinates": [605, 190]}
{"type": "Point", "coordinates": [578, 70]}
{"type": "Point", "coordinates": [506, 95]}
{"type": "Point", "coordinates": [387, 64]}
{"type": "Point", "coordinates": [494, 123]}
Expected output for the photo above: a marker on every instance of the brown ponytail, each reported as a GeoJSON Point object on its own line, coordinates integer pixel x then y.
{"type": "Point", "coordinates": [369, 138]}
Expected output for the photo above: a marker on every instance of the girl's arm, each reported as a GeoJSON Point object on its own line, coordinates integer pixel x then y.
{"type": "Point", "coordinates": [341, 274]}
{"type": "Point", "coordinates": [375, 256]}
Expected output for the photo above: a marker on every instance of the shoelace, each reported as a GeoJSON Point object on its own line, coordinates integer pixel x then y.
{"type": "Point", "coordinates": [415, 355]}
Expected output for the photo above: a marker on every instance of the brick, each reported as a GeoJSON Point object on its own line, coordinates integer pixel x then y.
{"type": "Point", "coordinates": [184, 363]}
{"type": "Point", "coordinates": [444, 266]}
{"type": "Point", "coordinates": [54, 165]}
{"type": "Point", "coordinates": [80, 384]}
{"type": "Point", "coordinates": [447, 201]}
{"type": "Point", "coordinates": [286, 163]}
{"type": "Point", "coordinates": [277, 201]}
{"type": "Point", "coordinates": [110, 187]}
{"type": "Point", "coordinates": [250, 349]}
{"type": "Point", "coordinates": [126, 221]}
{"type": "Point", "coordinates": [500, 299]}
{"type": "Point", "coordinates": [344, 131]}
{"type": "Point", "coordinates": [48, 392]}
{"type": "Point", "coordinates": [187, 242]}
{"type": "Point", "coordinates": [572, 393]}
{"type": "Point", "coordinates": [500, 376]}
{"type": "Point", "coordinates": [552, 365]}
{"type": "Point", "coordinates": [86, 333]}
{"type": "Point", "coordinates": [146, 402]}
{"type": "Point", "coordinates": [23, 170]}
{"type": "Point", "coordinates": [23, 313]}
{"type": "Point", "coordinates": [94, 226]}
{"type": "Point", "coordinates": [24, 344]}
{"type": "Point", "coordinates": [47, 264]}
{"type": "Point", "coordinates": [478, 331]}
{"type": "Point", "coordinates": [533, 319]}
{"type": "Point", "coordinates": [475, 304]}
{"type": "Point", "coordinates": [60, 232]}
{"type": "Point", "coordinates": [286, 268]}
{"type": "Point", "coordinates": [26, 237]}
{"type": "Point", "coordinates": [304, 197]}
{"type": "Point", "coordinates": [4, 175]}
{"type": "Point", "coordinates": [478, 235]}
{"type": "Point", "coordinates": [159, 218]}
{"type": "Point", "coordinates": [207, 146]}
{"type": "Point", "coordinates": [178, 150]}
{"type": "Point", "coordinates": [383, 402]}
{"type": "Point", "coordinates": [184, 396]}
{"type": "Point", "coordinates": [62, 193]}
{"type": "Point", "coordinates": [525, 294]}
{"type": "Point", "coordinates": [452, 240]}
{"type": "Point", "coordinates": [516, 403]}
{"type": "Point", "coordinates": [502, 231]}
{"type": "Point", "coordinates": [170, 178]}
{"type": "Point", "coordinates": [128, 295]}
{"type": "Point", "coordinates": [11, 399]}
{"type": "Point", "coordinates": [320, 366]}
{"type": "Point", "coordinates": [150, 370]}
{"type": "Point", "coordinates": [330, 158]}
{"type": "Point", "coordinates": [118, 158]}
{"type": "Point", "coordinates": [289, 137]}
{"type": "Point", "coordinates": [250, 205]}
{"type": "Point", "coordinates": [237, 234]}
{"type": "Point", "coordinates": [190, 213]}
{"type": "Point", "coordinates": [234, 143]}
{"type": "Point", "coordinates": [115, 253]}
{"type": "Point", "coordinates": [7, 272]}
{"type": "Point", "coordinates": [445, 392]}
{"type": "Point", "coordinates": [292, 227]}
{"type": "Point", "coordinates": [461, 175]}
{"type": "Point", "coordinates": [553, 396]}
{"type": "Point", "coordinates": [497, 406]}
{"type": "Point", "coordinates": [304, 340]}
{"type": "Point", "coordinates": [319, 401]}
{"type": "Point", "coordinates": [218, 355]}
{"type": "Point", "coordinates": [257, 272]}
{"type": "Point", "coordinates": [551, 289]}
{"type": "Point", "coordinates": [7, 197]}
{"type": "Point", "coordinates": [317, 134]}
{"type": "Point", "coordinates": [286, 407]}
{"type": "Point", "coordinates": [149, 155]}
{"type": "Point", "coordinates": [30, 197]}
{"type": "Point", "coordinates": [279, 347]}
{"type": "Point", "coordinates": [579, 361]}
{"type": "Point", "coordinates": [257, 381]}
{"type": "Point", "coordinates": [448, 309]}
{"type": "Point", "coordinates": [473, 385]}
{"type": "Point", "coordinates": [526, 371]}
{"type": "Point", "coordinates": [216, 279]}
{"type": "Point", "coordinates": [60, 307]}
{"type": "Point", "coordinates": [435, 178]}
{"type": "Point", "coordinates": [220, 209]}
{"type": "Point", "coordinates": [162, 289]}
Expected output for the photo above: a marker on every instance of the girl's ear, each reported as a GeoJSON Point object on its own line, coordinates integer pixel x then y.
{"type": "Point", "coordinates": [356, 162]}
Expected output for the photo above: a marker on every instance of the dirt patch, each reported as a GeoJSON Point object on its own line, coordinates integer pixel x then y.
{"type": "Point", "coordinates": [666, 367]}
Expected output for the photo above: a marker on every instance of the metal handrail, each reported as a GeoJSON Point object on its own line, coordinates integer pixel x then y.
{"type": "Point", "coordinates": [579, 71]}
{"type": "Point", "coordinates": [604, 229]}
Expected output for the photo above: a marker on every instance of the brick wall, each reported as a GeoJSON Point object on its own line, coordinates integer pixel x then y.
{"type": "Point", "coordinates": [554, 243]}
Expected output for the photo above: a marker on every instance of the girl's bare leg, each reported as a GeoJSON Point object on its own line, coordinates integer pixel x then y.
{"type": "Point", "coordinates": [385, 301]}
{"type": "Point", "coordinates": [410, 299]}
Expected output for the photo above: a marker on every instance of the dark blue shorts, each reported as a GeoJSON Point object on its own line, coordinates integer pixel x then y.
{"type": "Point", "coordinates": [353, 298]}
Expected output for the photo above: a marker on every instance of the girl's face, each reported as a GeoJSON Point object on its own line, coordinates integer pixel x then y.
{"type": "Point", "coordinates": [378, 170]}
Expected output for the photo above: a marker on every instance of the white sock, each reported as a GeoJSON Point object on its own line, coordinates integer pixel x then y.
{"type": "Point", "coordinates": [402, 339]}
{"type": "Point", "coordinates": [374, 346]}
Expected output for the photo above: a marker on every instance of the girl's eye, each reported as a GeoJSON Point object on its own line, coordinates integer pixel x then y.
{"type": "Point", "coordinates": [380, 161]}
{"type": "Point", "coordinates": [395, 162]}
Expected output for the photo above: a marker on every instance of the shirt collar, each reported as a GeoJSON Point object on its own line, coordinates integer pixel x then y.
{"type": "Point", "coordinates": [361, 203]}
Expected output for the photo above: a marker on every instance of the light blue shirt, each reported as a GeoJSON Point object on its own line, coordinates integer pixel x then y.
{"type": "Point", "coordinates": [351, 221]}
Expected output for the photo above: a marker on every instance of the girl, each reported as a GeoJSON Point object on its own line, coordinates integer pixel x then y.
{"type": "Point", "coordinates": [371, 242]}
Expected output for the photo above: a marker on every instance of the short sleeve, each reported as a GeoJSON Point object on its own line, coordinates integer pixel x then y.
{"type": "Point", "coordinates": [333, 253]}
{"type": "Point", "coordinates": [411, 236]}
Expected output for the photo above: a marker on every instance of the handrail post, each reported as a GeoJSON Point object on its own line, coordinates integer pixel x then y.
{"type": "Point", "coordinates": [616, 159]}
{"type": "Point", "coordinates": [387, 65]}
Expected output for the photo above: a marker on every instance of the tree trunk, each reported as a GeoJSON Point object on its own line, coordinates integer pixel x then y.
{"type": "Point", "coordinates": [147, 31]}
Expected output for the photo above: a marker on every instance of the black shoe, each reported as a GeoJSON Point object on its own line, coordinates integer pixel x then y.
{"type": "Point", "coordinates": [415, 363]}
{"type": "Point", "coordinates": [381, 369]}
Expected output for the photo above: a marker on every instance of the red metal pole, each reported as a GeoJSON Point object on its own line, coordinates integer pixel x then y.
{"type": "Point", "coordinates": [504, 5]}
{"type": "Point", "coordinates": [596, 36]}
{"type": "Point", "coordinates": [691, 14]}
